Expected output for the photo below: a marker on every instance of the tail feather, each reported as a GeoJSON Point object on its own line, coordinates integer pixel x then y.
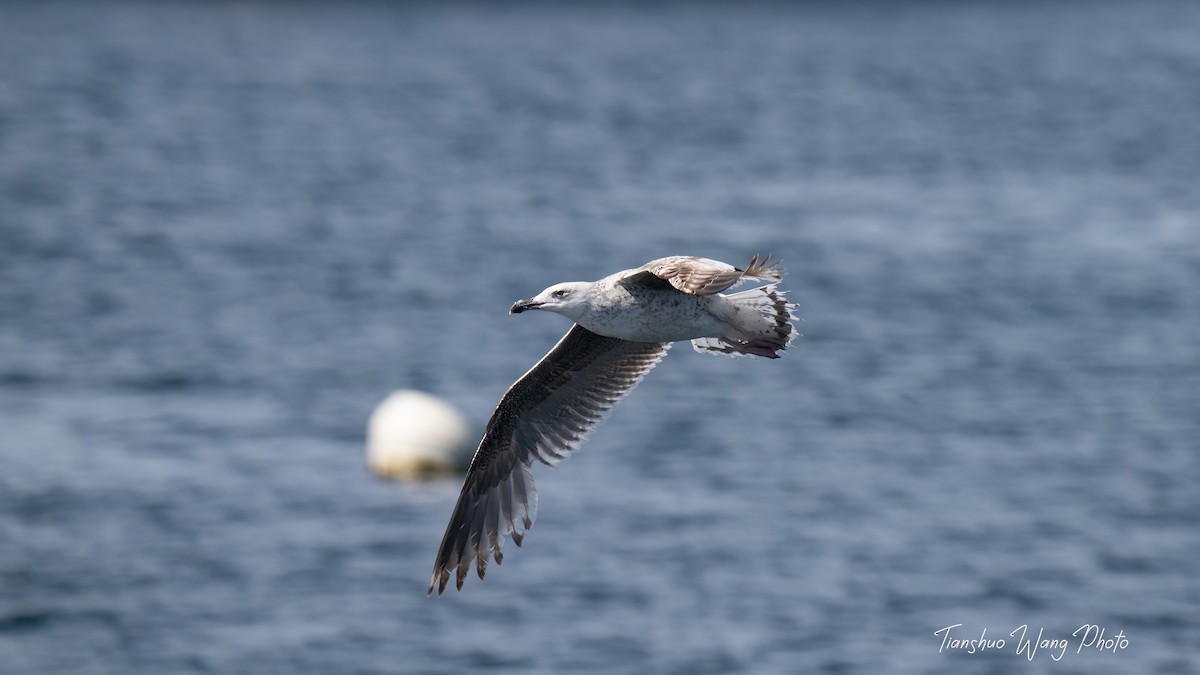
{"type": "Point", "coordinates": [759, 324]}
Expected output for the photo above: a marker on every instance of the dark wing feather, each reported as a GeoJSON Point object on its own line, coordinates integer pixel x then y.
{"type": "Point", "coordinates": [701, 276]}
{"type": "Point", "coordinates": [543, 415]}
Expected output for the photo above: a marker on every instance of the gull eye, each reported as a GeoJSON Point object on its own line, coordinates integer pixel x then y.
{"type": "Point", "coordinates": [559, 293]}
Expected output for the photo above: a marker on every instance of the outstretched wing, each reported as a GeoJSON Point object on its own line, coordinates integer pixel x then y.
{"type": "Point", "coordinates": [543, 415]}
{"type": "Point", "coordinates": [701, 276]}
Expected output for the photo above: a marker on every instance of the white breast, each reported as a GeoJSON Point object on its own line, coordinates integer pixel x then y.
{"type": "Point", "coordinates": [651, 315]}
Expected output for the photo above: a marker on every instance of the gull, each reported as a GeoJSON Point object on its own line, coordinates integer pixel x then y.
{"type": "Point", "coordinates": [624, 325]}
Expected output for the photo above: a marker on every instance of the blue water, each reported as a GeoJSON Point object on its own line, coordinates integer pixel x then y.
{"type": "Point", "coordinates": [227, 230]}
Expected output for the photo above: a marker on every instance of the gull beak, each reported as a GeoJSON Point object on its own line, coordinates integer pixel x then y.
{"type": "Point", "coordinates": [522, 305]}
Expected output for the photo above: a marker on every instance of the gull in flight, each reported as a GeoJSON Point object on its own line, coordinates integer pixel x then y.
{"type": "Point", "coordinates": [624, 324]}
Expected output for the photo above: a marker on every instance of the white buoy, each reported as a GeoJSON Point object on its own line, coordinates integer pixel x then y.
{"type": "Point", "coordinates": [413, 435]}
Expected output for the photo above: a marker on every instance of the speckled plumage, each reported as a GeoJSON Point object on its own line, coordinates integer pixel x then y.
{"type": "Point", "coordinates": [625, 323]}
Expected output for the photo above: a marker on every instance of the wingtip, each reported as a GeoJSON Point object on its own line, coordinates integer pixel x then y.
{"type": "Point", "coordinates": [440, 577]}
{"type": "Point", "coordinates": [762, 267]}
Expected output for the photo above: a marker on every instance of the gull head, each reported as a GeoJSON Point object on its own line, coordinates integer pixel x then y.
{"type": "Point", "coordinates": [569, 299]}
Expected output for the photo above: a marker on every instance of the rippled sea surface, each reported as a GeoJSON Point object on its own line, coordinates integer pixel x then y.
{"type": "Point", "coordinates": [227, 230]}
